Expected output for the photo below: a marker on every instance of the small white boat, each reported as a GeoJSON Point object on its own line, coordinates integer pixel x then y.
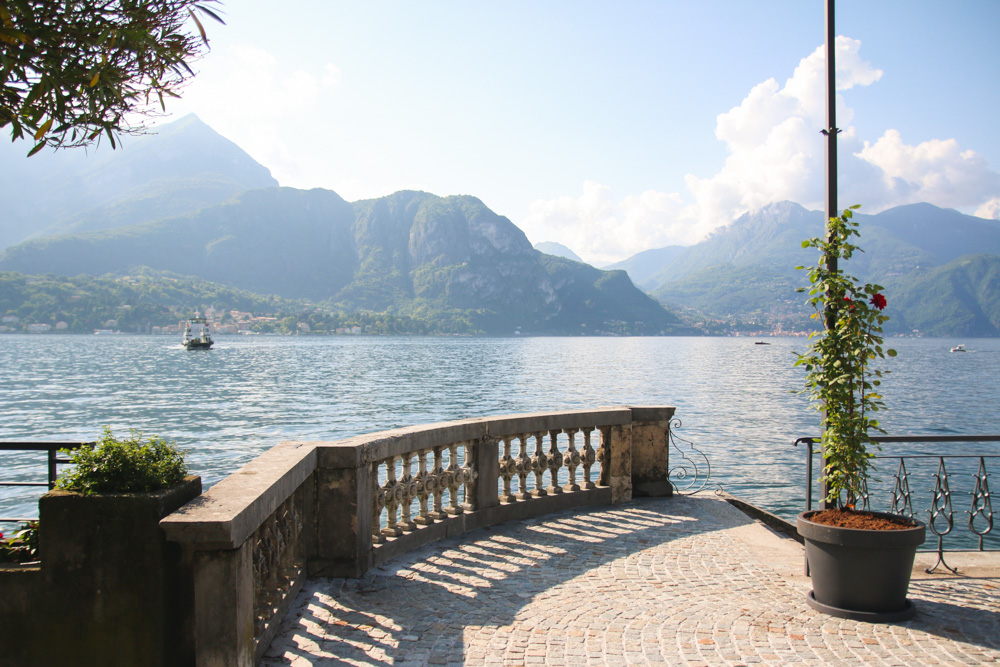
{"type": "Point", "coordinates": [958, 348]}
{"type": "Point", "coordinates": [196, 335]}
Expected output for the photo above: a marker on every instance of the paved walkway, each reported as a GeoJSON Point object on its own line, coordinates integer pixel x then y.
{"type": "Point", "coordinates": [682, 581]}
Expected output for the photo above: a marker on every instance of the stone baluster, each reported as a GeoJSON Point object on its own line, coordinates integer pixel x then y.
{"type": "Point", "coordinates": [539, 464]}
{"type": "Point", "coordinates": [523, 468]}
{"type": "Point", "coordinates": [571, 459]}
{"type": "Point", "coordinates": [587, 458]}
{"type": "Point", "coordinates": [603, 456]}
{"type": "Point", "coordinates": [438, 477]}
{"type": "Point", "coordinates": [470, 475]}
{"type": "Point", "coordinates": [407, 484]}
{"type": "Point", "coordinates": [555, 462]}
{"type": "Point", "coordinates": [454, 476]}
{"type": "Point", "coordinates": [425, 489]}
{"type": "Point", "coordinates": [378, 505]}
{"type": "Point", "coordinates": [393, 496]}
{"type": "Point", "coordinates": [508, 468]}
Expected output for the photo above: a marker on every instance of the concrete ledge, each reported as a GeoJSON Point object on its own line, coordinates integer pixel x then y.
{"type": "Point", "coordinates": [552, 421]}
{"type": "Point", "coordinates": [364, 449]}
{"type": "Point", "coordinates": [642, 413]}
{"type": "Point", "coordinates": [229, 513]}
{"type": "Point", "coordinates": [772, 521]}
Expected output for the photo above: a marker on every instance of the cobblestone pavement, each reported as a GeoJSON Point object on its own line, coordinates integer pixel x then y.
{"type": "Point", "coordinates": [681, 581]}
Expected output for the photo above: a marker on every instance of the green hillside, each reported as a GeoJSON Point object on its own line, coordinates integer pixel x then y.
{"type": "Point", "coordinates": [138, 302]}
{"type": "Point", "coordinates": [961, 298]}
{"type": "Point", "coordinates": [411, 253]}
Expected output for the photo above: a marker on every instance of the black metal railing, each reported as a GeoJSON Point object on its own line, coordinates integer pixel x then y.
{"type": "Point", "coordinates": [940, 513]}
{"type": "Point", "coordinates": [53, 461]}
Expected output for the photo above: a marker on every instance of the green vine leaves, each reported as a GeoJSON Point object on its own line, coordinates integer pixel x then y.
{"type": "Point", "coordinates": [841, 378]}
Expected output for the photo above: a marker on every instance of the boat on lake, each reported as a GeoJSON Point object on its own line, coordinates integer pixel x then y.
{"type": "Point", "coordinates": [196, 334]}
{"type": "Point", "coordinates": [958, 348]}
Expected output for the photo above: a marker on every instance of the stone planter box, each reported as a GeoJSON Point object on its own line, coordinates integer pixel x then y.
{"type": "Point", "coordinates": [110, 589]}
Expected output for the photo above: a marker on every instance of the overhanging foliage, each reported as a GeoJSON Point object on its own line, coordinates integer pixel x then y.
{"type": "Point", "coordinates": [74, 70]}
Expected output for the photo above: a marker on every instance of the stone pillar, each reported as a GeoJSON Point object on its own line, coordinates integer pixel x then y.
{"type": "Point", "coordinates": [618, 461]}
{"type": "Point", "coordinates": [651, 451]}
{"type": "Point", "coordinates": [487, 467]}
{"type": "Point", "coordinates": [224, 601]}
{"type": "Point", "coordinates": [343, 518]}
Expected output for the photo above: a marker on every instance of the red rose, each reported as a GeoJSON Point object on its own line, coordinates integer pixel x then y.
{"type": "Point", "coordinates": [850, 304]}
{"type": "Point", "coordinates": [878, 301]}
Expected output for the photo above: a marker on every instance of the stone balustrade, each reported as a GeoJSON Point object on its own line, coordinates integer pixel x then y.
{"type": "Point", "coordinates": [341, 508]}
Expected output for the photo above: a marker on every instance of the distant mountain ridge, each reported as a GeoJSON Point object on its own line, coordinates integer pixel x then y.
{"type": "Point", "coordinates": [557, 250]}
{"type": "Point", "coordinates": [190, 202]}
{"type": "Point", "coordinates": [412, 253]}
{"type": "Point", "coordinates": [182, 167]}
{"type": "Point", "coordinates": [745, 272]}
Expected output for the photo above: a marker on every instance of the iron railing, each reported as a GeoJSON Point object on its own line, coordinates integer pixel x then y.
{"type": "Point", "coordinates": [52, 450]}
{"type": "Point", "coordinates": [940, 514]}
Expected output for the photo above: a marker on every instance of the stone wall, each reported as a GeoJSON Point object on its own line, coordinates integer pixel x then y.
{"type": "Point", "coordinates": [109, 589]}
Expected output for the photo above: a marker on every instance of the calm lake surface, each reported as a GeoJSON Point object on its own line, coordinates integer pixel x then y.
{"type": "Point", "coordinates": [227, 405]}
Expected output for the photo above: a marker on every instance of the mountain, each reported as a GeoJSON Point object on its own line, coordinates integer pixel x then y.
{"type": "Point", "coordinates": [557, 250]}
{"type": "Point", "coordinates": [746, 272]}
{"type": "Point", "coordinates": [182, 167]}
{"type": "Point", "coordinates": [410, 253]}
{"type": "Point", "coordinates": [960, 298]}
{"type": "Point", "coordinates": [643, 267]}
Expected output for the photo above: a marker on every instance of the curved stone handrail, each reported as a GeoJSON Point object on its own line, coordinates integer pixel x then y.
{"type": "Point", "coordinates": [340, 508]}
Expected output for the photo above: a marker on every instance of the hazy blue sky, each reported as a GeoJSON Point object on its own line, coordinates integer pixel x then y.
{"type": "Point", "coordinates": [612, 127]}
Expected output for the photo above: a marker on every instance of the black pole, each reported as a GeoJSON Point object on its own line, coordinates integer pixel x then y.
{"type": "Point", "coordinates": [831, 132]}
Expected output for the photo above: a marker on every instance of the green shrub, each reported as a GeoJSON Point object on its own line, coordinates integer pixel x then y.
{"type": "Point", "coordinates": [22, 546]}
{"type": "Point", "coordinates": [125, 465]}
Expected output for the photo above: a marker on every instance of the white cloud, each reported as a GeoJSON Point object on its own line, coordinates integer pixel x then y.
{"type": "Point", "coordinates": [936, 171]}
{"type": "Point", "coordinates": [775, 149]}
{"type": "Point", "coordinates": [602, 231]}
{"type": "Point", "coordinates": [775, 152]}
{"type": "Point", "coordinates": [990, 210]}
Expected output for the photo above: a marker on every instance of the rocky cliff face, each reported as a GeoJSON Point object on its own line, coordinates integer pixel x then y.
{"type": "Point", "coordinates": [410, 253]}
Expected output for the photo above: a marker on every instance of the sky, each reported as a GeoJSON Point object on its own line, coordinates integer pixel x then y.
{"type": "Point", "coordinates": [611, 127]}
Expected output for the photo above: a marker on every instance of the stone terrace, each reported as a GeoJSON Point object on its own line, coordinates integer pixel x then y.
{"type": "Point", "coordinates": [658, 581]}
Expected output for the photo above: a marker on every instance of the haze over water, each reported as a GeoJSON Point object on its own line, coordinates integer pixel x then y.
{"type": "Point", "coordinates": [227, 405]}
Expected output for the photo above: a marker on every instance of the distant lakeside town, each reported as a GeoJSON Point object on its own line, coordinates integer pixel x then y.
{"type": "Point", "coordinates": [225, 322]}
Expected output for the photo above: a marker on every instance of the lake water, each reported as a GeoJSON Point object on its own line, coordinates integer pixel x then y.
{"type": "Point", "coordinates": [227, 405]}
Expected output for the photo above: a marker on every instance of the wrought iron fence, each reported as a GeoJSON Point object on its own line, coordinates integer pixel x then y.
{"type": "Point", "coordinates": [930, 469]}
{"type": "Point", "coordinates": [53, 461]}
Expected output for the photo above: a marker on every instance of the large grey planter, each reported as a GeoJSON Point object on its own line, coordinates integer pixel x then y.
{"type": "Point", "coordinates": [860, 574]}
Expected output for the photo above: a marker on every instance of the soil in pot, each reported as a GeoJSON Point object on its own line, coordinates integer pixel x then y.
{"type": "Point", "coordinates": [850, 518]}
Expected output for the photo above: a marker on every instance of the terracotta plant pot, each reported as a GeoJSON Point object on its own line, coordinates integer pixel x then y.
{"type": "Point", "coordinates": [860, 574]}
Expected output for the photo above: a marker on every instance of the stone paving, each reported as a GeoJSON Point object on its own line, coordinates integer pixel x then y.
{"type": "Point", "coordinates": [680, 581]}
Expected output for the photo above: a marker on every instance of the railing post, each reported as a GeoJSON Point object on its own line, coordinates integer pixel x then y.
{"type": "Point", "coordinates": [224, 607]}
{"type": "Point", "coordinates": [345, 496]}
{"type": "Point", "coordinates": [486, 463]}
{"type": "Point", "coordinates": [617, 448]}
{"type": "Point", "coordinates": [651, 451]}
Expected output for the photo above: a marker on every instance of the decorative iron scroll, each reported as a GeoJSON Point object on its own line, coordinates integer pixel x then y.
{"type": "Point", "coordinates": [277, 559]}
{"type": "Point", "coordinates": [982, 507]}
{"type": "Point", "coordinates": [422, 490]}
{"type": "Point", "coordinates": [690, 469]}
